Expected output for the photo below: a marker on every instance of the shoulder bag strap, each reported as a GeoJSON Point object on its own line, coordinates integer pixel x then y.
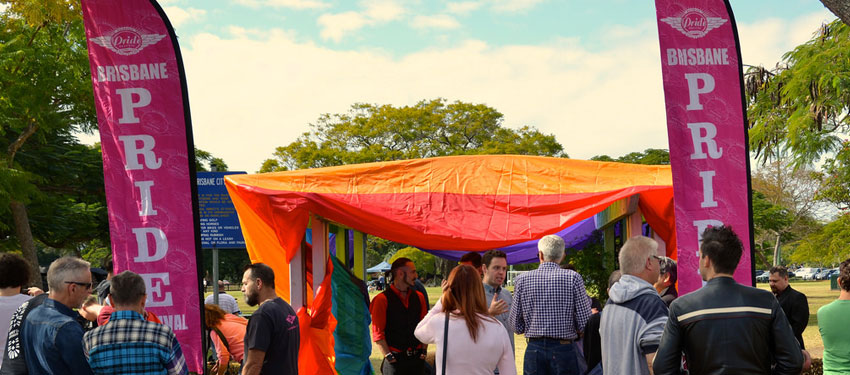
{"type": "Point", "coordinates": [223, 340]}
{"type": "Point", "coordinates": [445, 342]}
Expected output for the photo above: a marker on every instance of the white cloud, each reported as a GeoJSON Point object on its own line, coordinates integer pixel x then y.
{"type": "Point", "coordinates": [256, 90]}
{"type": "Point", "coordinates": [336, 26]}
{"type": "Point", "coordinates": [382, 10]}
{"type": "Point", "coordinates": [178, 16]}
{"type": "Point", "coordinates": [463, 7]}
{"type": "Point", "coordinates": [440, 21]}
{"type": "Point", "coordinates": [514, 5]}
{"type": "Point", "coordinates": [764, 42]}
{"type": "Point", "coordinates": [292, 4]}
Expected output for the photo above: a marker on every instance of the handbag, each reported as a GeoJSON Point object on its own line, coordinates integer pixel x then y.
{"type": "Point", "coordinates": [231, 370]}
{"type": "Point", "coordinates": [445, 343]}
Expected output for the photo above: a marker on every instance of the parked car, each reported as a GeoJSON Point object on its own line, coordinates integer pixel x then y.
{"type": "Point", "coordinates": [808, 273]}
{"type": "Point", "coordinates": [821, 275]}
{"type": "Point", "coordinates": [762, 276]}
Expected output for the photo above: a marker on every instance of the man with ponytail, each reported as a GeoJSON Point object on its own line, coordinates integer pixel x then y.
{"type": "Point", "coordinates": [395, 314]}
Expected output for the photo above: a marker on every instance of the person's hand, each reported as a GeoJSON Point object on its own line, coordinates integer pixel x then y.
{"type": "Point", "coordinates": [807, 361]}
{"type": "Point", "coordinates": [444, 285]}
{"type": "Point", "coordinates": [498, 306]}
{"type": "Point", "coordinates": [214, 368]}
{"type": "Point", "coordinates": [34, 291]}
{"type": "Point", "coordinates": [390, 358]}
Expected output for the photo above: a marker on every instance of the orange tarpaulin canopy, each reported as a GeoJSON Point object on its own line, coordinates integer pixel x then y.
{"type": "Point", "coordinates": [457, 202]}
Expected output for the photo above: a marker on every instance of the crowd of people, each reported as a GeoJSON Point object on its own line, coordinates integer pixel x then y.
{"type": "Point", "coordinates": [644, 328]}
{"type": "Point", "coordinates": [110, 332]}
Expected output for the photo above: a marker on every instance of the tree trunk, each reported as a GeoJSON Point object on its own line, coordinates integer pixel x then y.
{"type": "Point", "coordinates": [840, 8]}
{"type": "Point", "coordinates": [761, 258]}
{"type": "Point", "coordinates": [444, 267]}
{"type": "Point", "coordinates": [776, 254]}
{"type": "Point", "coordinates": [24, 234]}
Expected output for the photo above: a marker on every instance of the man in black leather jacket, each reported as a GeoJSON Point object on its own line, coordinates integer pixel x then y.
{"type": "Point", "coordinates": [726, 327]}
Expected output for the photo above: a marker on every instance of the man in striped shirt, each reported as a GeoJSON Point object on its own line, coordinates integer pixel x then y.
{"type": "Point", "coordinates": [725, 327]}
{"type": "Point", "coordinates": [551, 308]}
{"type": "Point", "coordinates": [129, 344]}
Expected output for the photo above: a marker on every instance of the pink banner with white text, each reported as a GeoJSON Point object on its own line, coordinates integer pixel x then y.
{"type": "Point", "coordinates": [148, 159]}
{"type": "Point", "coordinates": [706, 126]}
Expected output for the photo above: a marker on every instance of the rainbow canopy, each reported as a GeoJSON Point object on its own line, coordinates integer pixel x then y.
{"type": "Point", "coordinates": [463, 203]}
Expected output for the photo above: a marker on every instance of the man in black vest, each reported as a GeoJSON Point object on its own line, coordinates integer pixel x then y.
{"type": "Point", "coordinates": [395, 314]}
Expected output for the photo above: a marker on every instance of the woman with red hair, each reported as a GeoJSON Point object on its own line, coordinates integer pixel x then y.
{"type": "Point", "coordinates": [478, 343]}
{"type": "Point", "coordinates": [229, 327]}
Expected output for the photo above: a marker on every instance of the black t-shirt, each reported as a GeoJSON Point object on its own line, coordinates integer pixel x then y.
{"type": "Point", "coordinates": [273, 328]}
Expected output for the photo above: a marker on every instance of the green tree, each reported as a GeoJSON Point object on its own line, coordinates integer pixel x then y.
{"type": "Point", "coordinates": [769, 222]}
{"type": "Point", "coordinates": [205, 162]}
{"type": "Point", "coordinates": [836, 179]}
{"type": "Point", "coordinates": [785, 207]}
{"type": "Point", "coordinates": [827, 246]}
{"type": "Point", "coordinates": [425, 263]}
{"type": "Point", "coordinates": [371, 133]}
{"type": "Point", "coordinates": [590, 265]}
{"type": "Point", "coordinates": [45, 92]}
{"type": "Point", "coordinates": [801, 107]}
{"type": "Point", "coordinates": [650, 156]}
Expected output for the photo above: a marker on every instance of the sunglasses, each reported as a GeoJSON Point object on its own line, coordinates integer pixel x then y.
{"type": "Point", "coordinates": [87, 285]}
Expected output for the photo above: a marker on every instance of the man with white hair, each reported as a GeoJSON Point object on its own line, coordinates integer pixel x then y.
{"type": "Point", "coordinates": [634, 317]}
{"type": "Point", "coordinates": [52, 338]}
{"type": "Point", "coordinates": [551, 308]}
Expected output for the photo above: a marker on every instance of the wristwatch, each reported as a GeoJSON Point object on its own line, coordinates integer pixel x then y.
{"type": "Point", "coordinates": [390, 357]}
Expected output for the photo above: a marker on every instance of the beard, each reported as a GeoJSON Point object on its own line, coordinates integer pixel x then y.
{"type": "Point", "coordinates": [774, 289]}
{"type": "Point", "coordinates": [251, 298]}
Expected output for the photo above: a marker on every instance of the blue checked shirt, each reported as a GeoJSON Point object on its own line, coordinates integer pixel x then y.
{"type": "Point", "coordinates": [129, 344]}
{"type": "Point", "coordinates": [549, 302]}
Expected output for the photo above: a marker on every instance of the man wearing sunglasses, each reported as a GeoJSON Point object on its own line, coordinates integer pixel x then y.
{"type": "Point", "coordinates": [634, 317]}
{"type": "Point", "coordinates": [52, 339]}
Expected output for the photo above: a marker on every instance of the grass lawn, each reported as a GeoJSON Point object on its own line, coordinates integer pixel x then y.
{"type": "Point", "coordinates": [817, 292]}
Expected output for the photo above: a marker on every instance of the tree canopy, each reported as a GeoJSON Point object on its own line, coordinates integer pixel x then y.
{"type": "Point", "coordinates": [650, 156]}
{"type": "Point", "coordinates": [46, 186]}
{"type": "Point", "coordinates": [371, 133]}
{"type": "Point", "coordinates": [801, 107]}
{"type": "Point", "coordinates": [425, 263]}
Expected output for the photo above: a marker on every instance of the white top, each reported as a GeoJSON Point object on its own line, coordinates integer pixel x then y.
{"type": "Point", "coordinates": [481, 357]}
{"type": "Point", "coordinates": [8, 306]}
{"type": "Point", "coordinates": [226, 302]}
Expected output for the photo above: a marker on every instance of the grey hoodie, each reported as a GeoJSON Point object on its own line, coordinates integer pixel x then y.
{"type": "Point", "coordinates": [632, 323]}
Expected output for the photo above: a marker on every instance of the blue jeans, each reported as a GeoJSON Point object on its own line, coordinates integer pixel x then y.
{"type": "Point", "coordinates": [549, 357]}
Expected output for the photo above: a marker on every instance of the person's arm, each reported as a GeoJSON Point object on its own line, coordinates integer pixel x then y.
{"type": "Point", "coordinates": [425, 331]}
{"type": "Point", "coordinates": [582, 305]}
{"type": "Point", "coordinates": [786, 349]}
{"type": "Point", "coordinates": [515, 319]}
{"type": "Point", "coordinates": [253, 362]}
{"type": "Point", "coordinates": [507, 363]}
{"type": "Point", "coordinates": [223, 354]}
{"type": "Point", "coordinates": [800, 314]}
{"type": "Point", "coordinates": [177, 363]}
{"type": "Point", "coordinates": [69, 345]}
{"type": "Point", "coordinates": [649, 358]}
{"type": "Point", "coordinates": [668, 358]}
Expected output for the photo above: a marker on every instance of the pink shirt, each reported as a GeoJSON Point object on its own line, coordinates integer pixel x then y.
{"type": "Point", "coordinates": [233, 329]}
{"type": "Point", "coordinates": [480, 357]}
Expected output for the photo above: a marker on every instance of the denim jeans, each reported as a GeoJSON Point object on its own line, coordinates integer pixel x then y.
{"type": "Point", "coordinates": [550, 357]}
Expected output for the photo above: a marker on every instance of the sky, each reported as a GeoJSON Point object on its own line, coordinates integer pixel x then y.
{"type": "Point", "coordinates": [260, 72]}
